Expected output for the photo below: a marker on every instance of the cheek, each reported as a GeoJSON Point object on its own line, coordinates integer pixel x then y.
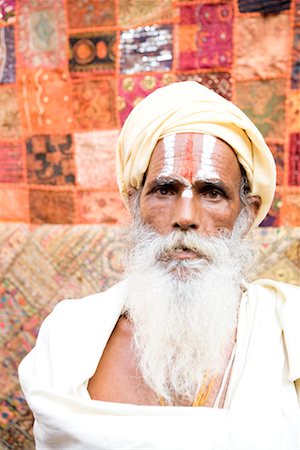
{"type": "Point", "coordinates": [157, 214]}
{"type": "Point", "coordinates": [223, 215]}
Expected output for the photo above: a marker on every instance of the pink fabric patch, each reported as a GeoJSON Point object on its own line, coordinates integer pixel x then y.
{"type": "Point", "coordinates": [212, 38]}
{"type": "Point", "coordinates": [132, 89]}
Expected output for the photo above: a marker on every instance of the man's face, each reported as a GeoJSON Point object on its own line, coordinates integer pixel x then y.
{"type": "Point", "coordinates": [192, 183]}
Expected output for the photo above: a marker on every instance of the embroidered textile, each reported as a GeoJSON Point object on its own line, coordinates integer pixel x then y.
{"type": "Point", "coordinates": [69, 69]}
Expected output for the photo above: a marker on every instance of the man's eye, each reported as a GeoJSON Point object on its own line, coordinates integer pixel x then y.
{"type": "Point", "coordinates": [214, 194]}
{"type": "Point", "coordinates": [164, 190]}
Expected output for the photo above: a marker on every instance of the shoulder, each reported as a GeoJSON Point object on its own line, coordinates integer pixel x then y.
{"type": "Point", "coordinates": [275, 289]}
{"type": "Point", "coordinates": [81, 322]}
{"type": "Point", "coordinates": [272, 298]}
{"type": "Point", "coordinates": [274, 305]}
{"type": "Point", "coordinates": [71, 340]}
{"type": "Point", "coordinates": [88, 308]}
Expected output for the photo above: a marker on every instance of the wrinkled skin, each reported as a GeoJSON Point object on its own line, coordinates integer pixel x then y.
{"type": "Point", "coordinates": [192, 182]}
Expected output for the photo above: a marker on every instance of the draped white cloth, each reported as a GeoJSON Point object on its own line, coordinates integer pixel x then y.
{"type": "Point", "coordinates": [261, 409]}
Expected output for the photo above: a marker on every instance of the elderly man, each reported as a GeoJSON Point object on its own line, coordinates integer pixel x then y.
{"type": "Point", "coordinates": [185, 352]}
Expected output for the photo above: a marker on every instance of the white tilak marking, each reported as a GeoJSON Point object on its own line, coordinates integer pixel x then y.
{"type": "Point", "coordinates": [187, 193]}
{"type": "Point", "coordinates": [206, 171]}
{"type": "Point", "coordinates": [169, 147]}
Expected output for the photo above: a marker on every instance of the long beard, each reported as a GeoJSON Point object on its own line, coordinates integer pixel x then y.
{"type": "Point", "coordinates": [184, 312]}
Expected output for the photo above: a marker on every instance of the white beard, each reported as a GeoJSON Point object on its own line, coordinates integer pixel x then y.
{"type": "Point", "coordinates": [184, 312]}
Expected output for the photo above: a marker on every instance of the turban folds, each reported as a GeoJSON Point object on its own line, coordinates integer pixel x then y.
{"type": "Point", "coordinates": [189, 107]}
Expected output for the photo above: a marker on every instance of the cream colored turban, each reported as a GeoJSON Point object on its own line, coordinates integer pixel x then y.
{"type": "Point", "coordinates": [190, 107]}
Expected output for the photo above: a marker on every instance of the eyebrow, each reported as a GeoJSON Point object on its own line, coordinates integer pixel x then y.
{"type": "Point", "coordinates": [172, 181]}
{"type": "Point", "coordinates": [161, 179]}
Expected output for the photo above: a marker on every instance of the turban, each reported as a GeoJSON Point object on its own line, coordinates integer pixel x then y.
{"type": "Point", "coordinates": [189, 107]}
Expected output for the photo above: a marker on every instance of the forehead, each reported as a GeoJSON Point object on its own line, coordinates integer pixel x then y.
{"type": "Point", "coordinates": [194, 156]}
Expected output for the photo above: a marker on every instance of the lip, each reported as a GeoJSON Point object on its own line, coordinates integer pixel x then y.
{"type": "Point", "coordinates": [184, 254]}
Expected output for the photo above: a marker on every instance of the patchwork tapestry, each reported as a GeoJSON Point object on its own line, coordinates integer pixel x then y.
{"type": "Point", "coordinates": [70, 73]}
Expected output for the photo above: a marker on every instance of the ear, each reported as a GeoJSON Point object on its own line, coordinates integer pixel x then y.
{"type": "Point", "coordinates": [254, 203]}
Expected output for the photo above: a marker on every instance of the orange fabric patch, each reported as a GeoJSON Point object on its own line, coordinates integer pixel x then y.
{"type": "Point", "coordinates": [278, 153]}
{"type": "Point", "coordinates": [14, 204]}
{"type": "Point", "coordinates": [294, 111]}
{"type": "Point", "coordinates": [93, 103]}
{"type": "Point", "coordinates": [91, 13]}
{"type": "Point", "coordinates": [46, 101]}
{"type": "Point", "coordinates": [290, 213]}
{"type": "Point", "coordinates": [10, 126]}
{"type": "Point", "coordinates": [101, 207]}
{"type": "Point", "coordinates": [49, 206]}
{"type": "Point", "coordinates": [263, 49]}
{"type": "Point", "coordinates": [188, 38]}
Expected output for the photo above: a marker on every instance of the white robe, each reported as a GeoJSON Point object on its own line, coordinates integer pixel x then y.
{"type": "Point", "coordinates": [261, 409]}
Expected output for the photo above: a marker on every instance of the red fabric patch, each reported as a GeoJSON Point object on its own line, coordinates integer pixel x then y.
{"type": "Point", "coordinates": [132, 89]}
{"type": "Point", "coordinates": [294, 160]}
{"type": "Point", "coordinates": [210, 36]}
{"type": "Point", "coordinates": [11, 162]}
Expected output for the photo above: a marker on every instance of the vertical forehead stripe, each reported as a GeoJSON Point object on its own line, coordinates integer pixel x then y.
{"type": "Point", "coordinates": [187, 167]}
{"type": "Point", "coordinates": [190, 107]}
{"type": "Point", "coordinates": [169, 158]}
{"type": "Point", "coordinates": [206, 170]}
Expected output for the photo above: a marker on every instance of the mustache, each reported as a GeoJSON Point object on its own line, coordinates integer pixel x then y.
{"type": "Point", "coordinates": [205, 248]}
{"type": "Point", "coordinates": [146, 248]}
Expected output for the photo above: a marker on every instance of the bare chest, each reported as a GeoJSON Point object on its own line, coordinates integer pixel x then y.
{"type": "Point", "coordinates": [118, 379]}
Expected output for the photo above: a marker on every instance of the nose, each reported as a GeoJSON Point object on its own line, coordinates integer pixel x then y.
{"type": "Point", "coordinates": [185, 216]}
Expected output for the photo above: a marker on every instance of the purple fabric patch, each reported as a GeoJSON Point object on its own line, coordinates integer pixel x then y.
{"type": "Point", "coordinates": [7, 55]}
